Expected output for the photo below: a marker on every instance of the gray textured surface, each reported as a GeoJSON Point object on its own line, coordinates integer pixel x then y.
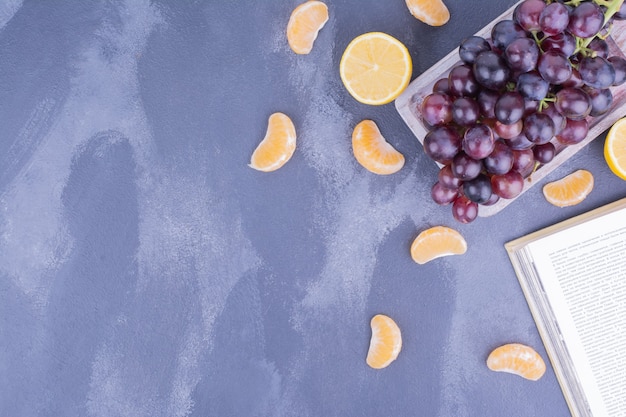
{"type": "Point", "coordinates": [145, 270]}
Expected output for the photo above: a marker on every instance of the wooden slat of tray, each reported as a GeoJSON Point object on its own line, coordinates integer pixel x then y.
{"type": "Point", "coordinates": [410, 101]}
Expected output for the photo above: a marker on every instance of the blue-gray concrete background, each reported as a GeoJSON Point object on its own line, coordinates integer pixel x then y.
{"type": "Point", "coordinates": [146, 270]}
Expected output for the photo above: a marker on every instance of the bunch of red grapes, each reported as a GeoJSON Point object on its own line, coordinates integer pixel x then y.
{"type": "Point", "coordinates": [536, 82]}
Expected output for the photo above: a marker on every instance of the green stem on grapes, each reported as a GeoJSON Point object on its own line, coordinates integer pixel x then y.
{"type": "Point", "coordinates": [545, 102]}
{"type": "Point", "coordinates": [537, 164]}
{"type": "Point", "coordinates": [537, 40]}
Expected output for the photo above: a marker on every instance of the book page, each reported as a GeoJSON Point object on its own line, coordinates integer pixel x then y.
{"type": "Point", "coordinates": [583, 273]}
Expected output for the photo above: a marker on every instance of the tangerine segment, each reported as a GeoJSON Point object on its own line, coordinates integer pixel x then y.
{"type": "Point", "coordinates": [372, 150]}
{"type": "Point", "coordinates": [615, 148]}
{"type": "Point", "coordinates": [386, 342]}
{"type": "Point", "coordinates": [436, 242]}
{"type": "Point", "coordinates": [375, 68]}
{"type": "Point", "coordinates": [277, 146]}
{"type": "Point", "coordinates": [305, 22]}
{"type": "Point", "coordinates": [431, 12]}
{"type": "Point", "coordinates": [569, 190]}
{"type": "Point", "coordinates": [517, 359]}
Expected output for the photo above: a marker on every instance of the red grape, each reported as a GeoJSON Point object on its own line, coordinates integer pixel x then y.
{"type": "Point", "coordinates": [478, 141]}
{"type": "Point", "coordinates": [586, 20]}
{"type": "Point", "coordinates": [443, 195]}
{"type": "Point", "coordinates": [575, 132]}
{"type": "Point", "coordinates": [465, 167]}
{"type": "Point", "coordinates": [507, 185]}
{"type": "Point", "coordinates": [437, 109]}
{"type": "Point", "coordinates": [500, 160]}
{"type": "Point", "coordinates": [464, 210]}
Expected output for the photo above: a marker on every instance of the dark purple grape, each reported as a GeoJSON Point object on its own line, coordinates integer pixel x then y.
{"type": "Point", "coordinates": [530, 106]}
{"type": "Point", "coordinates": [522, 54]}
{"type": "Point", "coordinates": [531, 85]}
{"type": "Point", "coordinates": [619, 65]}
{"type": "Point", "coordinates": [508, 185]}
{"type": "Point", "coordinates": [544, 153]}
{"type": "Point", "coordinates": [554, 19]}
{"type": "Point", "coordinates": [600, 47]}
{"type": "Point", "coordinates": [519, 142]}
{"type": "Point", "coordinates": [478, 189]}
{"type": "Point", "coordinates": [621, 13]}
{"type": "Point", "coordinates": [575, 132]}
{"type": "Point", "coordinates": [465, 111]}
{"type": "Point", "coordinates": [564, 43]}
{"type": "Point", "coordinates": [487, 103]}
{"type": "Point", "coordinates": [601, 100]}
{"type": "Point", "coordinates": [437, 109]}
{"type": "Point", "coordinates": [596, 72]}
{"type": "Point", "coordinates": [492, 200]}
{"type": "Point", "coordinates": [500, 160]}
{"type": "Point", "coordinates": [447, 178]}
{"type": "Point", "coordinates": [509, 107]}
{"type": "Point", "coordinates": [478, 141]}
{"type": "Point", "coordinates": [527, 14]}
{"type": "Point", "coordinates": [491, 71]}
{"type": "Point", "coordinates": [586, 20]}
{"type": "Point", "coordinates": [464, 210]}
{"type": "Point", "coordinates": [574, 80]}
{"type": "Point", "coordinates": [539, 128]}
{"type": "Point", "coordinates": [443, 195]}
{"type": "Point", "coordinates": [442, 86]}
{"type": "Point", "coordinates": [554, 67]}
{"type": "Point", "coordinates": [465, 167]}
{"type": "Point", "coordinates": [557, 118]}
{"type": "Point", "coordinates": [471, 47]}
{"type": "Point", "coordinates": [461, 81]}
{"type": "Point", "coordinates": [442, 144]}
{"type": "Point", "coordinates": [523, 162]}
{"type": "Point", "coordinates": [573, 103]}
{"type": "Point", "coordinates": [508, 131]}
{"type": "Point", "coordinates": [504, 32]}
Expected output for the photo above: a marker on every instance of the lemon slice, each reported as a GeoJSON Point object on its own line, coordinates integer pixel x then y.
{"type": "Point", "coordinates": [375, 68]}
{"type": "Point", "coordinates": [615, 148]}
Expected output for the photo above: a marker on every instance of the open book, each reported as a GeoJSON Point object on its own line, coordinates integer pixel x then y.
{"type": "Point", "coordinates": [573, 275]}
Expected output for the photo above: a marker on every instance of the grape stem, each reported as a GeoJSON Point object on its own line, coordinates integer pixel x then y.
{"type": "Point", "coordinates": [545, 102]}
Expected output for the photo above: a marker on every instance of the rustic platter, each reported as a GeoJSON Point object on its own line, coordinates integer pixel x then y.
{"type": "Point", "coordinates": [409, 102]}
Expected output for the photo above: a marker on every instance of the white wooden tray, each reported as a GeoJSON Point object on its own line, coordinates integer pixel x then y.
{"type": "Point", "coordinates": [409, 102]}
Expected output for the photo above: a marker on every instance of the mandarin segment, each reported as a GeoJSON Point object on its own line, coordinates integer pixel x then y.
{"type": "Point", "coordinates": [436, 242]}
{"type": "Point", "coordinates": [615, 148]}
{"type": "Point", "coordinates": [277, 146]}
{"type": "Point", "coordinates": [517, 359]}
{"type": "Point", "coordinates": [569, 190]}
{"type": "Point", "coordinates": [431, 12]}
{"type": "Point", "coordinates": [305, 22]}
{"type": "Point", "coordinates": [375, 68]}
{"type": "Point", "coordinates": [373, 152]}
{"type": "Point", "coordinates": [386, 342]}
